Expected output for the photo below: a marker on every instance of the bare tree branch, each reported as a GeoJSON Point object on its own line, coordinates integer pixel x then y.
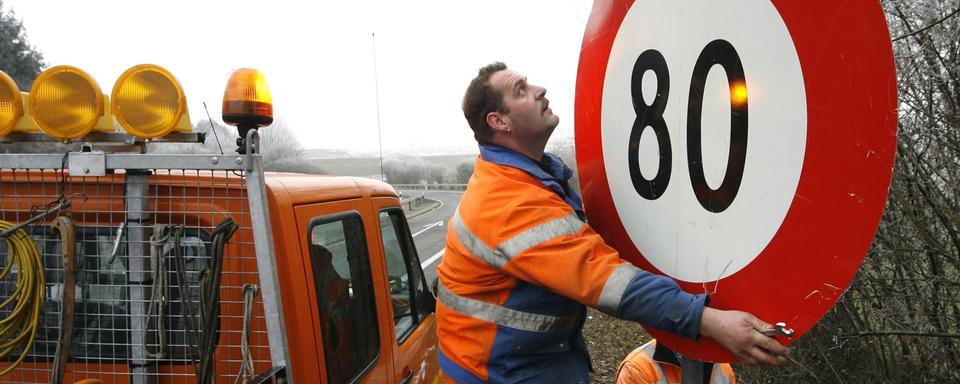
{"type": "Point", "coordinates": [901, 333]}
{"type": "Point", "coordinates": [933, 24]}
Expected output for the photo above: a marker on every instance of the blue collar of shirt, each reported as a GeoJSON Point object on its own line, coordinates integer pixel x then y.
{"type": "Point", "coordinates": [557, 179]}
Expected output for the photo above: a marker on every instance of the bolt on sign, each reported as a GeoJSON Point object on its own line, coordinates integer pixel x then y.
{"type": "Point", "coordinates": [743, 148]}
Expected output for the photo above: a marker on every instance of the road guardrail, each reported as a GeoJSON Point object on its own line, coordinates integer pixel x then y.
{"type": "Point", "coordinates": [432, 187]}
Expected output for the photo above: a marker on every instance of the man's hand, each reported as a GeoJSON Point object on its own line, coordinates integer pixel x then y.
{"type": "Point", "coordinates": [739, 332]}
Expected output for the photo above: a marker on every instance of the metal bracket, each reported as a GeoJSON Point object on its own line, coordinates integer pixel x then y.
{"type": "Point", "coordinates": [252, 142]}
{"type": "Point", "coordinates": [272, 375]}
{"type": "Point", "coordinates": [112, 138]}
{"type": "Point", "coordinates": [780, 329]}
{"type": "Point", "coordinates": [87, 162]}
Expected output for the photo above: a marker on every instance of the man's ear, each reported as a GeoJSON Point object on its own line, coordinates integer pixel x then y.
{"type": "Point", "coordinates": [499, 122]}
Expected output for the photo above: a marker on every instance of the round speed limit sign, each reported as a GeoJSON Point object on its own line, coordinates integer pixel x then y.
{"type": "Point", "coordinates": [743, 148]}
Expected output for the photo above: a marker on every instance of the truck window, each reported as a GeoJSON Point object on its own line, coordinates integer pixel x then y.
{"type": "Point", "coordinates": [344, 284]}
{"type": "Point", "coordinates": [403, 270]}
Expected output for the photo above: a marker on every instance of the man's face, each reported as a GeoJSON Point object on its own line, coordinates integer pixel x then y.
{"type": "Point", "coordinates": [530, 114]}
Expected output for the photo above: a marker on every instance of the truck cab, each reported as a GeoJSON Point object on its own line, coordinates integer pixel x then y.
{"type": "Point", "coordinates": [357, 273]}
{"type": "Point", "coordinates": [193, 267]}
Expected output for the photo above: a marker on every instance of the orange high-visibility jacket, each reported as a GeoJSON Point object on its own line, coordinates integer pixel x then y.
{"type": "Point", "coordinates": [646, 366]}
{"type": "Point", "coordinates": [520, 265]}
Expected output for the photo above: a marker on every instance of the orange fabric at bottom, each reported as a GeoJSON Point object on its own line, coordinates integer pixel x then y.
{"type": "Point", "coordinates": [639, 368]}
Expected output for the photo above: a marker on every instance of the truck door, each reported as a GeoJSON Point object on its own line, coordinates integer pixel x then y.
{"type": "Point", "coordinates": [414, 344]}
{"type": "Point", "coordinates": [339, 237]}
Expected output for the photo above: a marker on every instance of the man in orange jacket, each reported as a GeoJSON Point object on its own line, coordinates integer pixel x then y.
{"type": "Point", "coordinates": [521, 262]}
{"type": "Point", "coordinates": [653, 364]}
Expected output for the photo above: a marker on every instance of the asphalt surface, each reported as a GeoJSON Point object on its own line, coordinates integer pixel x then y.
{"type": "Point", "coordinates": [429, 229]}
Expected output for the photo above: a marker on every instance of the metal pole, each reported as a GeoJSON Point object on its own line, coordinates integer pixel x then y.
{"type": "Point", "coordinates": [694, 371]}
{"type": "Point", "coordinates": [138, 274]}
{"type": "Point", "coordinates": [266, 261]}
{"type": "Point", "coordinates": [376, 88]}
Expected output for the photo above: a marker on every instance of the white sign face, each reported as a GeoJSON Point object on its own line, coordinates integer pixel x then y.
{"type": "Point", "coordinates": [748, 181]}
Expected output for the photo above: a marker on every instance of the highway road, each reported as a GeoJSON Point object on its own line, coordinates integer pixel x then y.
{"type": "Point", "coordinates": [429, 230]}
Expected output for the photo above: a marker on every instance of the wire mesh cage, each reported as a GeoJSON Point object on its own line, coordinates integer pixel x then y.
{"type": "Point", "coordinates": [165, 288]}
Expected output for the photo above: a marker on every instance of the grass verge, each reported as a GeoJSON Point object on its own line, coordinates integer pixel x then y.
{"type": "Point", "coordinates": [610, 340]}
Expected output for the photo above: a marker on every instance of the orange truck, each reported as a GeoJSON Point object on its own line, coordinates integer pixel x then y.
{"type": "Point", "coordinates": [121, 265]}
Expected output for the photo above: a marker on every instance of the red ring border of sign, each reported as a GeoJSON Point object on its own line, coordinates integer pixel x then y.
{"type": "Point", "coordinates": [846, 58]}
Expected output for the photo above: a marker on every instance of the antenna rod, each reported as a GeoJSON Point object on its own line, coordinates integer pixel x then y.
{"type": "Point", "coordinates": [212, 129]}
{"type": "Point", "coordinates": [376, 87]}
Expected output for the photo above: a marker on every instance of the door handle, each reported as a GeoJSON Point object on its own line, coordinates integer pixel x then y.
{"type": "Point", "coordinates": [406, 378]}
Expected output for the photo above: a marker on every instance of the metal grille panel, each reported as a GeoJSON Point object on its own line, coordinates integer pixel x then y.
{"type": "Point", "coordinates": [113, 292]}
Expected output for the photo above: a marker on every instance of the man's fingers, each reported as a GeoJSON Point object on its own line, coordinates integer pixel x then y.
{"type": "Point", "coordinates": [764, 357]}
{"type": "Point", "coordinates": [748, 359]}
{"type": "Point", "coordinates": [758, 324]}
{"type": "Point", "coordinates": [762, 350]}
{"type": "Point", "coordinates": [770, 359]}
{"type": "Point", "coordinates": [775, 348]}
{"type": "Point", "coordinates": [742, 334]}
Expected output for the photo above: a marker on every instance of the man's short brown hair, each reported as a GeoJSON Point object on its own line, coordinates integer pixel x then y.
{"type": "Point", "coordinates": [480, 99]}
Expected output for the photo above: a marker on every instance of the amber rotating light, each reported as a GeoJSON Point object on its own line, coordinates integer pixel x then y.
{"type": "Point", "coordinates": [247, 103]}
{"type": "Point", "coordinates": [11, 104]}
{"type": "Point", "coordinates": [66, 102]}
{"type": "Point", "coordinates": [147, 101]}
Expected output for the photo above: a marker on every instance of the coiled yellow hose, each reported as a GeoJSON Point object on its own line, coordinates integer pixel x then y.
{"type": "Point", "coordinates": [19, 328]}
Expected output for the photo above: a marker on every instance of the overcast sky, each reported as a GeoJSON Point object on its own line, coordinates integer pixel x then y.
{"type": "Point", "coordinates": [318, 57]}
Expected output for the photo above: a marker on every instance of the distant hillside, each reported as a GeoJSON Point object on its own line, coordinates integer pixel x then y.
{"type": "Point", "coordinates": [450, 159]}
{"type": "Point", "coordinates": [317, 153]}
{"type": "Point", "coordinates": [370, 166]}
{"type": "Point", "coordinates": [348, 166]}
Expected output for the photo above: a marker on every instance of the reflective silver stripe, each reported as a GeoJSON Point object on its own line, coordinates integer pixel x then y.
{"type": "Point", "coordinates": [650, 350]}
{"type": "Point", "coordinates": [567, 225]}
{"type": "Point", "coordinates": [613, 289]}
{"type": "Point", "coordinates": [504, 316]}
{"type": "Point", "coordinates": [718, 376]}
{"type": "Point", "coordinates": [476, 246]}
